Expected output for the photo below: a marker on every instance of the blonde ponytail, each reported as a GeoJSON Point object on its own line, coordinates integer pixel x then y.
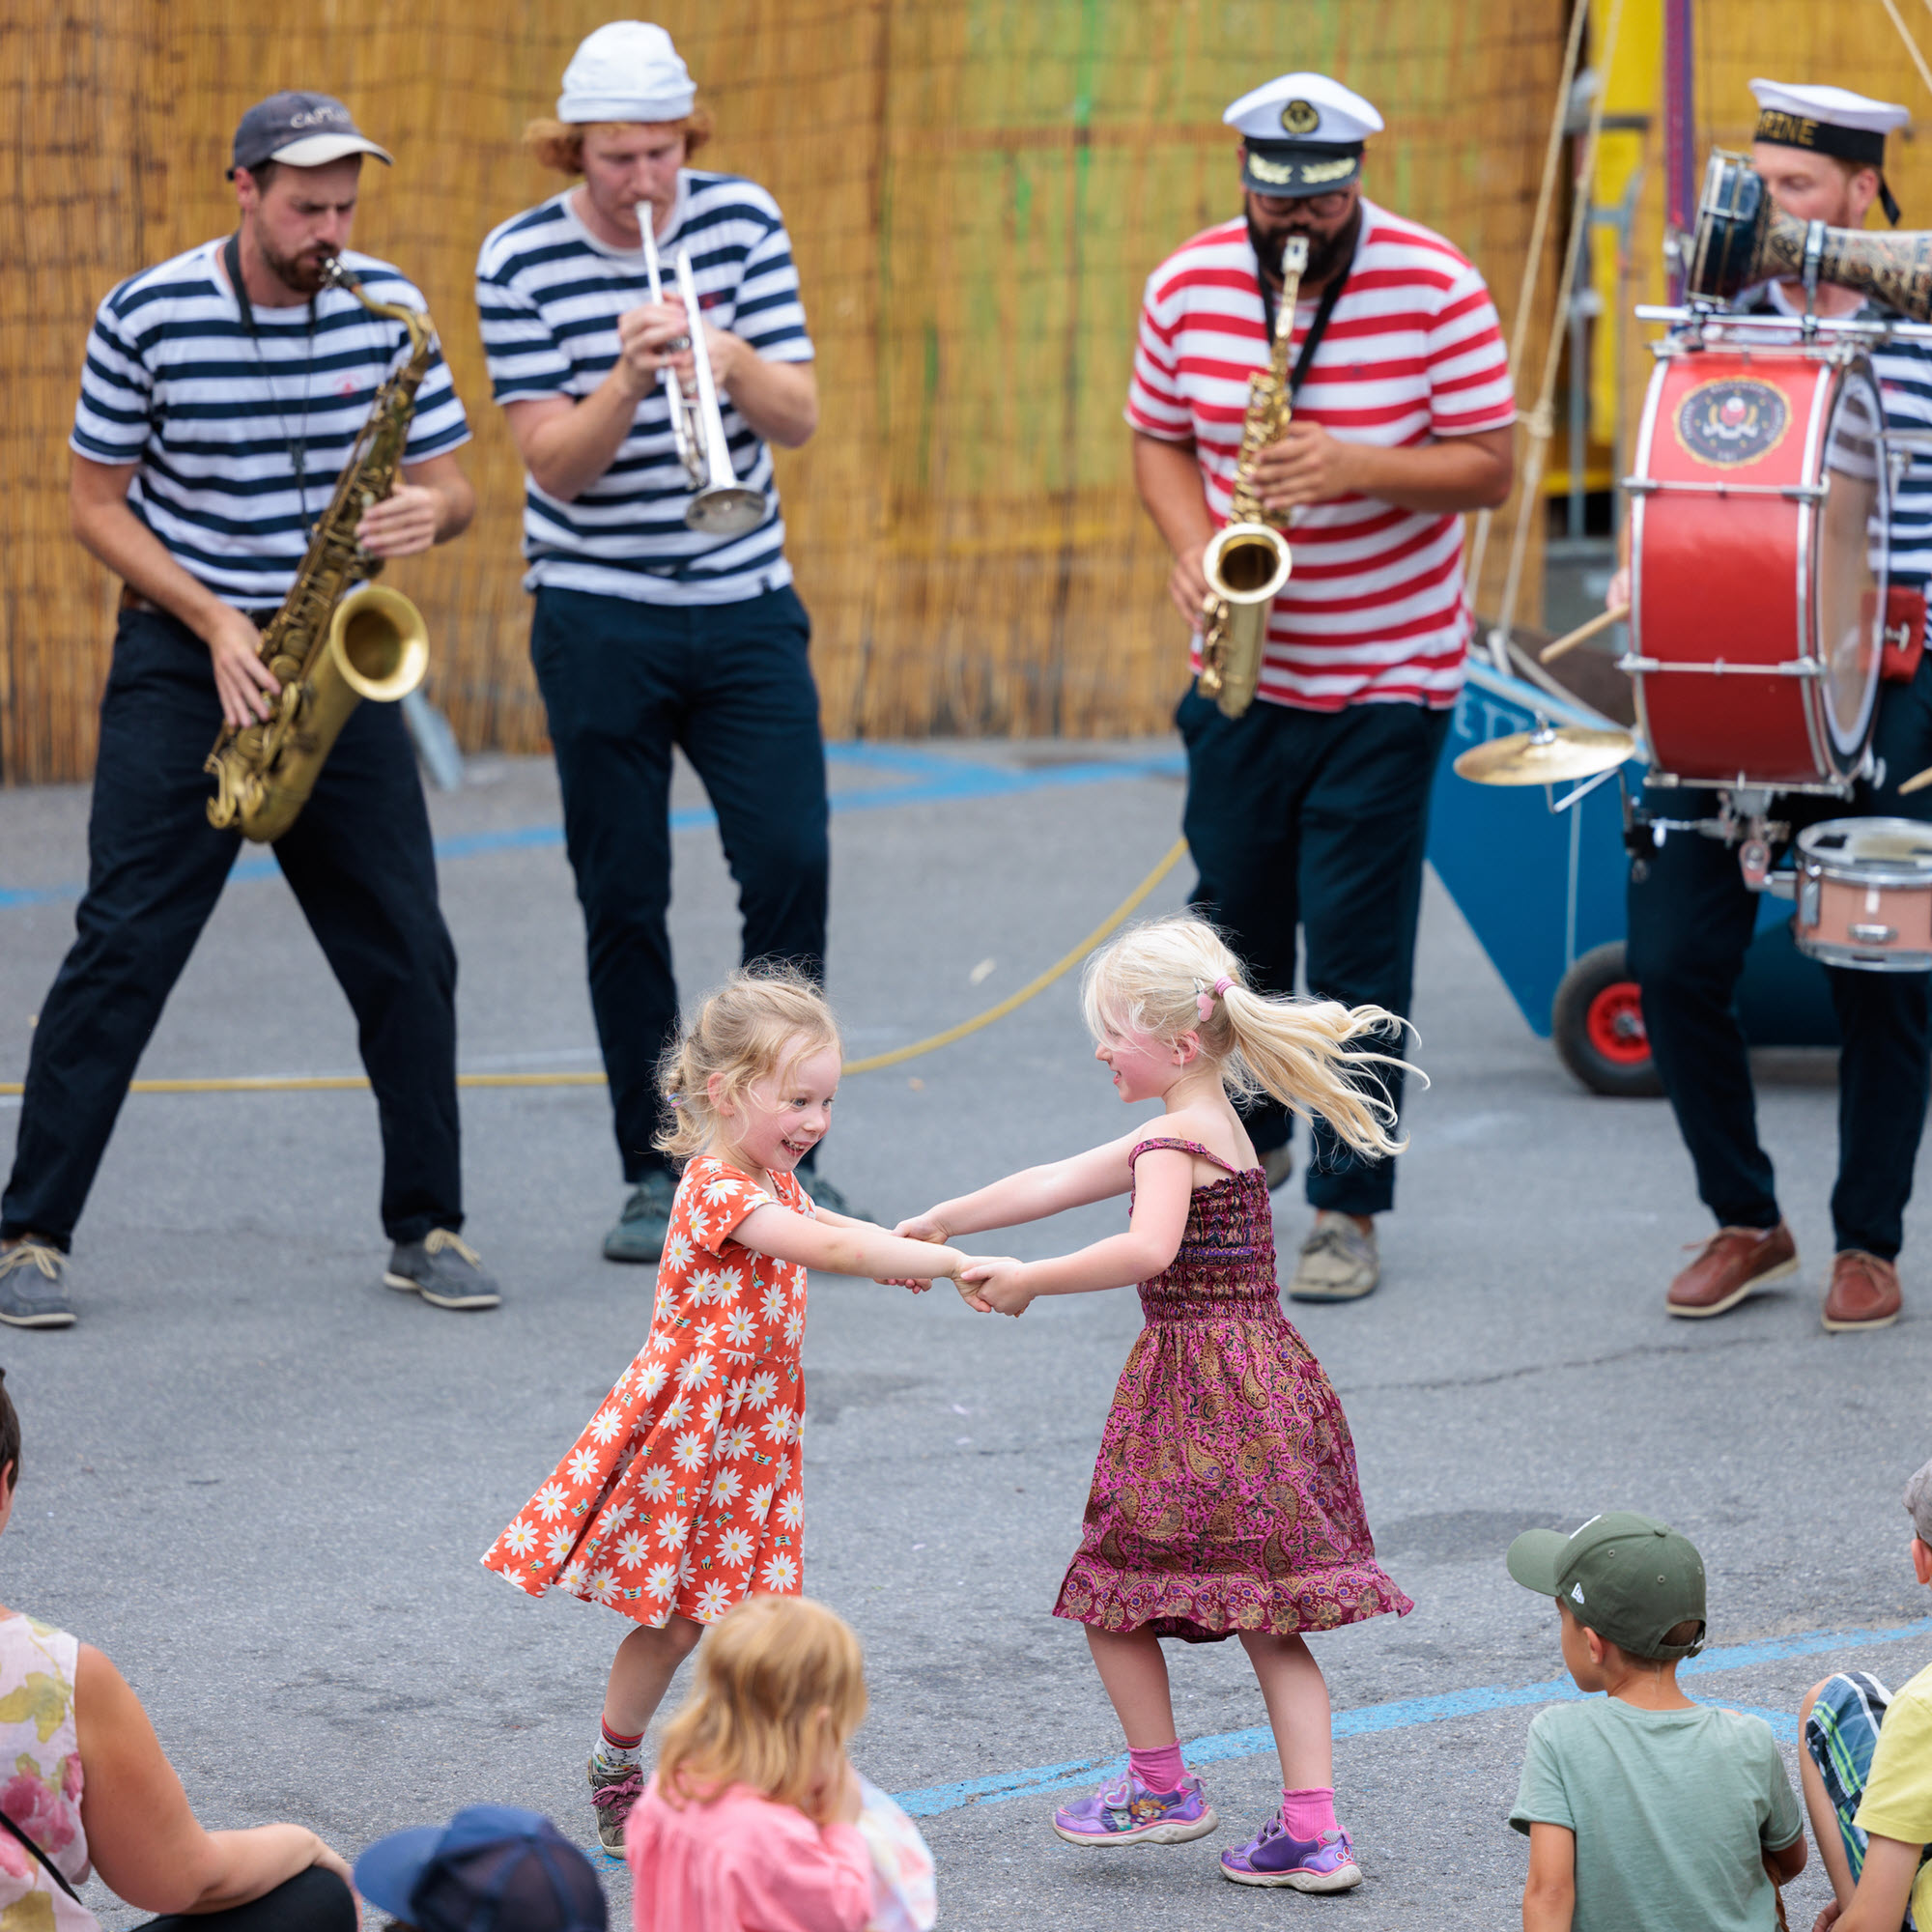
{"type": "Point", "coordinates": [1172, 976]}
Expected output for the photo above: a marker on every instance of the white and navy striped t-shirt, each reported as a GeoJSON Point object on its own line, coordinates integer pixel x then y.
{"type": "Point", "coordinates": [549, 294]}
{"type": "Point", "coordinates": [1904, 371]}
{"type": "Point", "coordinates": [1375, 612]}
{"type": "Point", "coordinates": [174, 383]}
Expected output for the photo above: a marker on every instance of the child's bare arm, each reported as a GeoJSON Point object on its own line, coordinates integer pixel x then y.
{"type": "Point", "coordinates": [1885, 1887]}
{"type": "Point", "coordinates": [1550, 1897]}
{"type": "Point", "coordinates": [1785, 1865]}
{"type": "Point", "coordinates": [1032, 1194]}
{"type": "Point", "coordinates": [838, 1246]}
{"type": "Point", "coordinates": [1151, 1242]}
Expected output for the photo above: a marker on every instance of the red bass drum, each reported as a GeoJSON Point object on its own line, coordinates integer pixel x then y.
{"type": "Point", "coordinates": [1758, 522]}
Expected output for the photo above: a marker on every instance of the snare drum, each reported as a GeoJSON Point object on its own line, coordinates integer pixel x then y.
{"type": "Point", "coordinates": [1759, 509]}
{"type": "Point", "coordinates": [1865, 893]}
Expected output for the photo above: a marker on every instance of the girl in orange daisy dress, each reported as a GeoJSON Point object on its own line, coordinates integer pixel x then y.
{"type": "Point", "coordinates": [684, 1492]}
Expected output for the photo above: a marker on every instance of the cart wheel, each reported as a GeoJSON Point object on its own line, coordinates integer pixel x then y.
{"type": "Point", "coordinates": [1597, 1024]}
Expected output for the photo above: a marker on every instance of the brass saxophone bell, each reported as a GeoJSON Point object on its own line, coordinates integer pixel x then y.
{"type": "Point", "coordinates": [379, 642]}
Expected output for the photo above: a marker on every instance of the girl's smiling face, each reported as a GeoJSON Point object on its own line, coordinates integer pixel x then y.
{"type": "Point", "coordinates": [778, 1121]}
{"type": "Point", "coordinates": [1143, 1066]}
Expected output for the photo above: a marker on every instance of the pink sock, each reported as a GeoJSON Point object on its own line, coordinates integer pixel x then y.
{"type": "Point", "coordinates": [1307, 1814]}
{"type": "Point", "coordinates": [1160, 1770]}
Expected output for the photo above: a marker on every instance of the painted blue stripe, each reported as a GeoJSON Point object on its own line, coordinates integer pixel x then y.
{"type": "Point", "coordinates": [936, 779]}
{"type": "Point", "coordinates": [1404, 1714]}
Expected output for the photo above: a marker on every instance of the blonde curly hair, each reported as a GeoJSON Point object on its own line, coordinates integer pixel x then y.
{"type": "Point", "coordinates": [559, 145]}
{"type": "Point", "coordinates": [763, 1020]}
{"type": "Point", "coordinates": [1152, 980]}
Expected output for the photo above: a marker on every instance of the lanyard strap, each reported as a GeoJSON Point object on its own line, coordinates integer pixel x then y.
{"type": "Point", "coordinates": [1317, 329]}
{"type": "Point", "coordinates": [54, 1871]}
{"type": "Point", "coordinates": [297, 446]}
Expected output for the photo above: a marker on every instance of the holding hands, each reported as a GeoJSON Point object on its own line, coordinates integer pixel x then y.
{"type": "Point", "coordinates": [975, 1279]}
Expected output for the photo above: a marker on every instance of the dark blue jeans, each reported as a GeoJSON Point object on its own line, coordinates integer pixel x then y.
{"type": "Point", "coordinates": [359, 862]}
{"type": "Point", "coordinates": [1316, 819]}
{"type": "Point", "coordinates": [623, 683]}
{"type": "Point", "coordinates": [1691, 920]}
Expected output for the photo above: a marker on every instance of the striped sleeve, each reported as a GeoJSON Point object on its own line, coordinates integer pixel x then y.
{"type": "Point", "coordinates": [769, 314]}
{"type": "Point", "coordinates": [439, 424]}
{"type": "Point", "coordinates": [1469, 388]}
{"type": "Point", "coordinates": [111, 419]}
{"type": "Point", "coordinates": [523, 356]}
{"type": "Point", "coordinates": [1155, 403]}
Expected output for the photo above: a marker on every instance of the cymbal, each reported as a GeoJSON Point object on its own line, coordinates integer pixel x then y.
{"type": "Point", "coordinates": [1550, 755]}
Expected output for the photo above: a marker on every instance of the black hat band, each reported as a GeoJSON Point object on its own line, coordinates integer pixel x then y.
{"type": "Point", "coordinates": [1821, 137]}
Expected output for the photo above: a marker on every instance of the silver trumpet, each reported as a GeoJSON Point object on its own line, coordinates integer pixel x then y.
{"type": "Point", "coordinates": [720, 505]}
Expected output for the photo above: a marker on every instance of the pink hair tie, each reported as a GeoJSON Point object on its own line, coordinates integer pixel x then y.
{"type": "Point", "coordinates": [1204, 1003]}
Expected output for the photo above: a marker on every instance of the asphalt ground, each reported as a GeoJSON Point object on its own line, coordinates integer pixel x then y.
{"type": "Point", "coordinates": [261, 1482]}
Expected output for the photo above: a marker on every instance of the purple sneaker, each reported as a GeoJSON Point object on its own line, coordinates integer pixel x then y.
{"type": "Point", "coordinates": [1274, 1857]}
{"type": "Point", "coordinates": [1128, 1813]}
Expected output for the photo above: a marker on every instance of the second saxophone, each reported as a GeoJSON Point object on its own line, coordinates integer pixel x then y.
{"type": "Point", "coordinates": [1248, 559]}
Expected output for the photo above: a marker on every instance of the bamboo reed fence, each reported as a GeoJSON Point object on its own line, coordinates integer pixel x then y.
{"type": "Point", "coordinates": [975, 188]}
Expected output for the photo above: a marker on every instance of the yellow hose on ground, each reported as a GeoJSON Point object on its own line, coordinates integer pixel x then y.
{"type": "Point", "coordinates": [344, 1083]}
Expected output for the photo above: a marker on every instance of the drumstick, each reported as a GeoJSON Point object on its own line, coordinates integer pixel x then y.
{"type": "Point", "coordinates": [1583, 633]}
{"type": "Point", "coordinates": [1917, 781]}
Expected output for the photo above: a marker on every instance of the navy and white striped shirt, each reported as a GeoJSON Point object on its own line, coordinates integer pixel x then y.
{"type": "Point", "coordinates": [549, 294]}
{"type": "Point", "coordinates": [174, 384]}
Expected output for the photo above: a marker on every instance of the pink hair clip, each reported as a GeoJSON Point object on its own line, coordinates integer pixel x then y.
{"type": "Point", "coordinates": [1204, 1003]}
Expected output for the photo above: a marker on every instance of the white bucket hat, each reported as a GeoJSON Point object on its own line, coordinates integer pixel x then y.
{"type": "Point", "coordinates": [626, 71]}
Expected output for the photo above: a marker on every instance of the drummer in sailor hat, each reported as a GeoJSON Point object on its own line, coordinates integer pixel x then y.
{"type": "Point", "coordinates": [1820, 151]}
{"type": "Point", "coordinates": [1307, 813]}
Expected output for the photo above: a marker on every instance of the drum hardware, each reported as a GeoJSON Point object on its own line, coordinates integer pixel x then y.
{"type": "Point", "coordinates": [1550, 755]}
{"type": "Point", "coordinates": [1699, 325]}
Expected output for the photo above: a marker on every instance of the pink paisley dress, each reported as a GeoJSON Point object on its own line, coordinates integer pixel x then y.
{"type": "Point", "coordinates": [684, 1491]}
{"type": "Point", "coordinates": [1225, 1497]}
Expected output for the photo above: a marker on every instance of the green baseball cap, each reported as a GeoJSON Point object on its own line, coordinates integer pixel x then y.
{"type": "Point", "coordinates": [1627, 1577]}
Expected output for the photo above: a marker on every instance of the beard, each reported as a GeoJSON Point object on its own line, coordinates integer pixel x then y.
{"type": "Point", "coordinates": [1326, 253]}
{"type": "Point", "coordinates": [303, 272]}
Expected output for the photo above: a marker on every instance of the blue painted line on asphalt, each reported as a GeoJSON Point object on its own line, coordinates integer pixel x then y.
{"type": "Point", "coordinates": [936, 780]}
{"type": "Point", "coordinates": [1403, 1714]}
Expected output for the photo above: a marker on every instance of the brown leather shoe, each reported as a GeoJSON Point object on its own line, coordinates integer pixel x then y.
{"type": "Point", "coordinates": [1734, 1263]}
{"type": "Point", "coordinates": [1864, 1293]}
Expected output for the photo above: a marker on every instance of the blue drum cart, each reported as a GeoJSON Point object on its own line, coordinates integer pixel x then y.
{"type": "Point", "coordinates": [1543, 892]}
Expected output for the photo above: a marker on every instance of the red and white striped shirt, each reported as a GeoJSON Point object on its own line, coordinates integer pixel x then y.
{"type": "Point", "coordinates": [1375, 612]}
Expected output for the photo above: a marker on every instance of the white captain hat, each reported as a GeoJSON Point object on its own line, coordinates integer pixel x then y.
{"type": "Point", "coordinates": [1829, 121]}
{"type": "Point", "coordinates": [1302, 134]}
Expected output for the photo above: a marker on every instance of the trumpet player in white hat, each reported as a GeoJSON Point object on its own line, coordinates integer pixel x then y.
{"type": "Point", "coordinates": [1310, 808]}
{"type": "Point", "coordinates": [648, 348]}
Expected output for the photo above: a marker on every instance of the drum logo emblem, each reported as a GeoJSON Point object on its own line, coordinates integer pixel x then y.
{"type": "Point", "coordinates": [1732, 420]}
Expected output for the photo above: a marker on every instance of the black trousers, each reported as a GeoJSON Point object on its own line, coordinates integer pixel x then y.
{"type": "Point", "coordinates": [1691, 920]}
{"type": "Point", "coordinates": [1317, 819]}
{"type": "Point", "coordinates": [312, 1901]}
{"type": "Point", "coordinates": [623, 683]}
{"type": "Point", "coordinates": [360, 863]}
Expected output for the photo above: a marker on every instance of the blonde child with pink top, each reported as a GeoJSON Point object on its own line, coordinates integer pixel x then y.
{"type": "Point", "coordinates": [755, 1820]}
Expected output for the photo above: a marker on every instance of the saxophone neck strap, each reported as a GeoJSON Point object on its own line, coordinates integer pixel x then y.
{"type": "Point", "coordinates": [1325, 311]}
{"type": "Point", "coordinates": [296, 445]}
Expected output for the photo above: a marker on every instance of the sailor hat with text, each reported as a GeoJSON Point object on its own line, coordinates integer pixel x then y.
{"type": "Point", "coordinates": [1302, 134]}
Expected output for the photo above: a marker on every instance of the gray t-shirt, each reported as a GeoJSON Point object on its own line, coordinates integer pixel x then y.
{"type": "Point", "coordinates": [1672, 1811]}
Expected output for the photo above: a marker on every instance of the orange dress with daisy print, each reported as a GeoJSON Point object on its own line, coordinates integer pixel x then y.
{"type": "Point", "coordinates": [685, 1492]}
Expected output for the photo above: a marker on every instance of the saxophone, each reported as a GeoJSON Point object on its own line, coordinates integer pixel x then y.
{"type": "Point", "coordinates": [1248, 560]}
{"type": "Point", "coordinates": [335, 640]}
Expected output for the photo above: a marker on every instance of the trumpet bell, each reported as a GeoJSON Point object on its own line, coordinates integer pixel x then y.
{"type": "Point", "coordinates": [379, 643]}
{"type": "Point", "coordinates": [727, 511]}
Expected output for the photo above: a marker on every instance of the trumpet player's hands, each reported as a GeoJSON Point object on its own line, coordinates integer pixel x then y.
{"type": "Point", "coordinates": [403, 524]}
{"type": "Point", "coordinates": [244, 684]}
{"type": "Point", "coordinates": [1307, 465]}
{"type": "Point", "coordinates": [1187, 583]}
{"type": "Point", "coordinates": [997, 1285]}
{"type": "Point", "coordinates": [644, 338]}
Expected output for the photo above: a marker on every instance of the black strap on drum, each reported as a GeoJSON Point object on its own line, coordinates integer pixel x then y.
{"type": "Point", "coordinates": [1317, 329]}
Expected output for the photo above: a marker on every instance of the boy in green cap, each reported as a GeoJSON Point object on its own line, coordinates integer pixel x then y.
{"type": "Point", "coordinates": [1867, 1769]}
{"type": "Point", "coordinates": [1642, 1808]}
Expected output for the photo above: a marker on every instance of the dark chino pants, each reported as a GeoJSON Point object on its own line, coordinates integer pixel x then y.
{"type": "Point", "coordinates": [360, 863]}
{"type": "Point", "coordinates": [1691, 920]}
{"type": "Point", "coordinates": [623, 683]}
{"type": "Point", "coordinates": [1317, 819]}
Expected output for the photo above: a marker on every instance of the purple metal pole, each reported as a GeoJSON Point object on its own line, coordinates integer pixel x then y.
{"type": "Point", "coordinates": [1680, 132]}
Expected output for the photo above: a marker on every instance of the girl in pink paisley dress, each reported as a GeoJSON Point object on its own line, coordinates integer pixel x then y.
{"type": "Point", "coordinates": [683, 1493]}
{"type": "Point", "coordinates": [1225, 1501]}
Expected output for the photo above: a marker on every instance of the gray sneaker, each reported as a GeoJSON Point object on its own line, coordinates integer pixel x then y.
{"type": "Point", "coordinates": [33, 1290]}
{"type": "Point", "coordinates": [1338, 1260]}
{"type": "Point", "coordinates": [444, 1270]}
{"type": "Point", "coordinates": [614, 1791]}
{"type": "Point", "coordinates": [644, 1225]}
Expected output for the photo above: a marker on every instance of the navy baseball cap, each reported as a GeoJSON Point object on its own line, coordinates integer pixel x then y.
{"type": "Point", "coordinates": [492, 1869]}
{"type": "Point", "coordinates": [303, 130]}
